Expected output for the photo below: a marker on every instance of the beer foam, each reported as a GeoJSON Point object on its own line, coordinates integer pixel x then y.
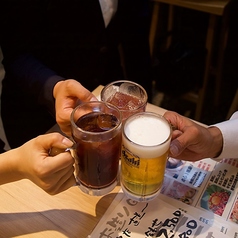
{"type": "Point", "coordinates": [147, 131]}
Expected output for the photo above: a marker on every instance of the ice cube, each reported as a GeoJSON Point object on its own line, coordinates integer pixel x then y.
{"type": "Point", "coordinates": [127, 88]}
{"type": "Point", "coordinates": [120, 100]}
{"type": "Point", "coordinates": [132, 105]}
{"type": "Point", "coordinates": [106, 121]}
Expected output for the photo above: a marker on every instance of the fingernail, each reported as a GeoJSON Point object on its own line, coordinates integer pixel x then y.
{"type": "Point", "coordinates": [67, 142]}
{"type": "Point", "coordinates": [93, 99]}
{"type": "Point", "coordinates": [174, 149]}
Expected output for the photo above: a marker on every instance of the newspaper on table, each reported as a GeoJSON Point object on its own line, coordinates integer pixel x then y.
{"type": "Point", "coordinates": [197, 199]}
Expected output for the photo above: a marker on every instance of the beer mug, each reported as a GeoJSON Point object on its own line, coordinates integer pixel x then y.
{"type": "Point", "coordinates": [146, 138]}
{"type": "Point", "coordinates": [96, 130]}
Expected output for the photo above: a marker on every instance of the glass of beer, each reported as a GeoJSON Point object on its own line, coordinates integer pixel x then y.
{"type": "Point", "coordinates": [96, 130]}
{"type": "Point", "coordinates": [146, 138]}
{"type": "Point", "coordinates": [128, 96]}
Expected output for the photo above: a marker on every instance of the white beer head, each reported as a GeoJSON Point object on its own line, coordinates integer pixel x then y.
{"type": "Point", "coordinates": [147, 135]}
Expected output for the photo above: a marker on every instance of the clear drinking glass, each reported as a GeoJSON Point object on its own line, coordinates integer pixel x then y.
{"type": "Point", "coordinates": [128, 96]}
{"type": "Point", "coordinates": [96, 130]}
{"type": "Point", "coordinates": [146, 138]}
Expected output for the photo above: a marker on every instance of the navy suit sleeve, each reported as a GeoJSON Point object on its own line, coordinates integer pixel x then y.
{"type": "Point", "coordinates": [23, 40]}
{"type": "Point", "coordinates": [35, 78]}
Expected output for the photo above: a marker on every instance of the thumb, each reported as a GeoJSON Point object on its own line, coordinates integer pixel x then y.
{"type": "Point", "coordinates": [82, 93]}
{"type": "Point", "coordinates": [54, 139]}
{"type": "Point", "coordinates": [176, 147]}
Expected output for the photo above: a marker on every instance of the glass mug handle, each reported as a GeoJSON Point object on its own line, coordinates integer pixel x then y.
{"type": "Point", "coordinates": [55, 151]}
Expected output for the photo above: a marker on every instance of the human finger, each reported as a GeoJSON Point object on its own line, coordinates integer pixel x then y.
{"type": "Point", "coordinates": [53, 139]}
{"type": "Point", "coordinates": [183, 140]}
{"type": "Point", "coordinates": [59, 181]}
{"type": "Point", "coordinates": [76, 89]}
{"type": "Point", "coordinates": [177, 121]}
{"type": "Point", "coordinates": [68, 95]}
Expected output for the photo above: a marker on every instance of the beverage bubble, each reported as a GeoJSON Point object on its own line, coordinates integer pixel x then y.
{"type": "Point", "coordinates": [146, 131]}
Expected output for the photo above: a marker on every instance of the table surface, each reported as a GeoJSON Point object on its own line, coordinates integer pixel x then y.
{"type": "Point", "coordinates": [216, 7]}
{"type": "Point", "coordinates": [27, 211]}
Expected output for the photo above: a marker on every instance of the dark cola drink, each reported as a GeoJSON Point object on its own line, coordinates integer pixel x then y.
{"type": "Point", "coordinates": [98, 149]}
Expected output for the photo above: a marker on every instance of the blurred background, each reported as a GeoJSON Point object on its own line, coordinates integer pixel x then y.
{"type": "Point", "coordinates": [178, 68]}
{"type": "Point", "coordinates": [2, 132]}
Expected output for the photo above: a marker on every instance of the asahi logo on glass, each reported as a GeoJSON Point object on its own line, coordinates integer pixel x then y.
{"type": "Point", "coordinates": [130, 158]}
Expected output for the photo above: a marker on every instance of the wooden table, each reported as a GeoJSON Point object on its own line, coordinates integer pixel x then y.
{"type": "Point", "coordinates": [216, 9]}
{"type": "Point", "coordinates": [27, 211]}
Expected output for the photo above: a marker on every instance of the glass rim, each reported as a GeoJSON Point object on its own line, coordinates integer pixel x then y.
{"type": "Point", "coordinates": [151, 114]}
{"type": "Point", "coordinates": [131, 82]}
{"type": "Point", "coordinates": [108, 105]}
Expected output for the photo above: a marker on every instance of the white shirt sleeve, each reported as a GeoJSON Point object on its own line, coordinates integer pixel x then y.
{"type": "Point", "coordinates": [229, 130]}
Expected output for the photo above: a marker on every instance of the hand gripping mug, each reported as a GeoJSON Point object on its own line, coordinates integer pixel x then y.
{"type": "Point", "coordinates": [146, 138]}
{"type": "Point", "coordinates": [96, 130]}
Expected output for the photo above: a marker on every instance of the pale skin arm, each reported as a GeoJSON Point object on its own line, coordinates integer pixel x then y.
{"type": "Point", "coordinates": [53, 174]}
{"type": "Point", "coordinates": [68, 94]}
{"type": "Point", "coordinates": [191, 141]}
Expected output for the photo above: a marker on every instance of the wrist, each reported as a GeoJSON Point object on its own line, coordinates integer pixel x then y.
{"type": "Point", "coordinates": [17, 162]}
{"type": "Point", "coordinates": [10, 166]}
{"type": "Point", "coordinates": [217, 141]}
{"type": "Point", "coordinates": [56, 88]}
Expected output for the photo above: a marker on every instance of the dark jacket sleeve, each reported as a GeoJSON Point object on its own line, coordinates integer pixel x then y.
{"type": "Point", "coordinates": [34, 78]}
{"type": "Point", "coordinates": [22, 38]}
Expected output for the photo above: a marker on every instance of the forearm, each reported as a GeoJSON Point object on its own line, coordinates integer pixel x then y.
{"type": "Point", "coordinates": [30, 72]}
{"type": "Point", "coordinates": [229, 132]}
{"type": "Point", "coordinates": [9, 171]}
{"type": "Point", "coordinates": [23, 44]}
{"type": "Point", "coordinates": [34, 78]}
{"type": "Point", "coordinates": [217, 142]}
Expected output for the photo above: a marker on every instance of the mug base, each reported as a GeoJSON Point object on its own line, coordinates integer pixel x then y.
{"type": "Point", "coordinates": [139, 198]}
{"type": "Point", "coordinates": [99, 191]}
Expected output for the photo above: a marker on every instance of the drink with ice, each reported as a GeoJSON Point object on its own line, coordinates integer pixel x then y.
{"type": "Point", "coordinates": [97, 136]}
{"type": "Point", "coordinates": [128, 96]}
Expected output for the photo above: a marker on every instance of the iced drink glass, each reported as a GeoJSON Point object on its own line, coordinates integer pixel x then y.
{"type": "Point", "coordinates": [146, 138]}
{"type": "Point", "coordinates": [96, 130]}
{"type": "Point", "coordinates": [128, 96]}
